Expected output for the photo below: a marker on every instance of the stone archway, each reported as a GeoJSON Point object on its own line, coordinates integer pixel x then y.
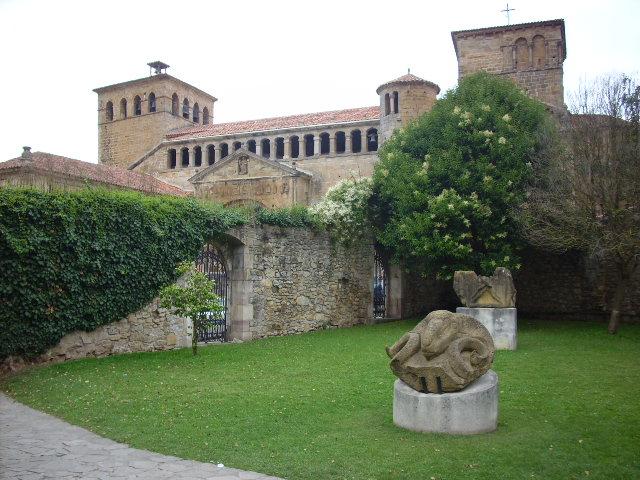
{"type": "Point", "coordinates": [236, 260]}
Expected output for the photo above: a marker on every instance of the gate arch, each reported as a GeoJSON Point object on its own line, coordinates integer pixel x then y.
{"type": "Point", "coordinates": [211, 262]}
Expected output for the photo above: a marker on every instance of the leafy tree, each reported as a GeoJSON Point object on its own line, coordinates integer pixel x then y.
{"type": "Point", "coordinates": [588, 199]}
{"type": "Point", "coordinates": [445, 186]}
{"type": "Point", "coordinates": [196, 299]}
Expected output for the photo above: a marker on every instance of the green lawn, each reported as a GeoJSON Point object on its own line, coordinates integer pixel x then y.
{"type": "Point", "coordinates": [318, 406]}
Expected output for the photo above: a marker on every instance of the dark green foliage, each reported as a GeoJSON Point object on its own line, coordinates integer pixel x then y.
{"type": "Point", "coordinates": [445, 185]}
{"type": "Point", "coordinates": [296, 216]}
{"type": "Point", "coordinates": [78, 260]}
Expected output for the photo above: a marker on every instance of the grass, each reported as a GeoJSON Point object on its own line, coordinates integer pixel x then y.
{"type": "Point", "coordinates": [318, 406]}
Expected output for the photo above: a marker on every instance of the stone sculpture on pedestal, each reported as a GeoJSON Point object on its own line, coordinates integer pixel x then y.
{"type": "Point", "coordinates": [491, 301]}
{"type": "Point", "coordinates": [444, 382]}
{"type": "Point", "coordinates": [445, 352]}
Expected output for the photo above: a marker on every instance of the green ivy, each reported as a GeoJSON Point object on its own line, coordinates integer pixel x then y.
{"type": "Point", "coordinates": [77, 260]}
{"type": "Point", "coordinates": [297, 216]}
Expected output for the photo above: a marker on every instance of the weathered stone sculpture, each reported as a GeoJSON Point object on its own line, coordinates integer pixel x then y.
{"type": "Point", "coordinates": [443, 353]}
{"type": "Point", "coordinates": [476, 291]}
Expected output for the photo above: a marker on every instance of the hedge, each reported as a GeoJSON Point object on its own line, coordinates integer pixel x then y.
{"type": "Point", "coordinates": [77, 260]}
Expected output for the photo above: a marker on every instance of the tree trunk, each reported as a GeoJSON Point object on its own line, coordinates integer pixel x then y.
{"type": "Point", "coordinates": [616, 304]}
{"type": "Point", "coordinates": [194, 336]}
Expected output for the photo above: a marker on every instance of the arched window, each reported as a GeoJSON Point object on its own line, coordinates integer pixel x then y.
{"type": "Point", "coordinates": [224, 150]}
{"type": "Point", "coordinates": [387, 104]}
{"type": "Point", "coordinates": [539, 52]}
{"type": "Point", "coordinates": [109, 111]}
{"type": "Point", "coordinates": [251, 146]}
{"type": "Point", "coordinates": [196, 112]}
{"type": "Point", "coordinates": [396, 102]}
{"type": "Point", "coordinates": [123, 108]}
{"type": "Point", "coordinates": [205, 116]}
{"type": "Point", "coordinates": [185, 108]}
{"type": "Point", "coordinates": [171, 158]}
{"type": "Point", "coordinates": [197, 161]}
{"type": "Point", "coordinates": [295, 146]}
{"type": "Point", "coordinates": [211, 154]}
{"type": "Point", "coordinates": [265, 146]}
{"type": "Point", "coordinates": [371, 141]}
{"type": "Point", "coordinates": [324, 143]}
{"type": "Point", "coordinates": [137, 105]}
{"type": "Point", "coordinates": [184, 157]}
{"type": "Point", "coordinates": [152, 102]}
{"type": "Point", "coordinates": [237, 146]}
{"type": "Point", "coordinates": [341, 145]}
{"type": "Point", "coordinates": [308, 145]}
{"type": "Point", "coordinates": [174, 104]}
{"type": "Point", "coordinates": [356, 141]}
{"type": "Point", "coordinates": [522, 54]}
{"type": "Point", "coordinates": [279, 148]}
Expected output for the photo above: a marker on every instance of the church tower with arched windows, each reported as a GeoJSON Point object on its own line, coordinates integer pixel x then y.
{"type": "Point", "coordinates": [531, 54]}
{"type": "Point", "coordinates": [403, 100]}
{"type": "Point", "coordinates": [135, 116]}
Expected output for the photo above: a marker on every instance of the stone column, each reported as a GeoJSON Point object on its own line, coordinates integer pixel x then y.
{"type": "Point", "coordinates": [316, 144]}
{"type": "Point", "coordinates": [273, 152]}
{"type": "Point", "coordinates": [347, 142]}
{"type": "Point", "coordinates": [332, 143]}
{"type": "Point", "coordinates": [287, 148]}
{"type": "Point", "coordinates": [215, 152]}
{"type": "Point", "coordinates": [259, 148]}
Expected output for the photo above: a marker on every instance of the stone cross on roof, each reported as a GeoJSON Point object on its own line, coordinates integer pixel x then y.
{"type": "Point", "coordinates": [508, 11]}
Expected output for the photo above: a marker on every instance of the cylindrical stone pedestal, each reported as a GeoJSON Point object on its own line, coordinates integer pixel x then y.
{"type": "Point", "coordinates": [471, 410]}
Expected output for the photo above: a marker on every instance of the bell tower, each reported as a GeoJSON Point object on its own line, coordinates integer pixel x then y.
{"type": "Point", "coordinates": [403, 100]}
{"type": "Point", "coordinates": [135, 116]}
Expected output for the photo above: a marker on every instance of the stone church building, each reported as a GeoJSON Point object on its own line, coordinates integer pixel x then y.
{"type": "Point", "coordinates": [164, 127]}
{"type": "Point", "coordinates": [277, 281]}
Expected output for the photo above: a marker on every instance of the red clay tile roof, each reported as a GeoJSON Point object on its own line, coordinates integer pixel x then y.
{"type": "Point", "coordinates": [408, 79]}
{"type": "Point", "coordinates": [276, 123]}
{"type": "Point", "coordinates": [107, 174]}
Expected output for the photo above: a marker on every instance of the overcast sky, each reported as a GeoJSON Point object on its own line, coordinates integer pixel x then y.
{"type": "Point", "coordinates": [260, 58]}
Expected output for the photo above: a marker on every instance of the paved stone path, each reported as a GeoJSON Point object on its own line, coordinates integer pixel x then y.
{"type": "Point", "coordinates": [34, 445]}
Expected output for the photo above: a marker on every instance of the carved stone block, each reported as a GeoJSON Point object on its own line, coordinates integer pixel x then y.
{"type": "Point", "coordinates": [476, 291]}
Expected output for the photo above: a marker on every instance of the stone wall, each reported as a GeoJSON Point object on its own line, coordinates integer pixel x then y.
{"type": "Point", "coordinates": [571, 287]}
{"type": "Point", "coordinates": [151, 328]}
{"type": "Point", "coordinates": [298, 280]}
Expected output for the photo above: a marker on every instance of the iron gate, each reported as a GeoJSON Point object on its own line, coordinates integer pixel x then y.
{"type": "Point", "coordinates": [211, 263]}
{"type": "Point", "coordinates": [379, 287]}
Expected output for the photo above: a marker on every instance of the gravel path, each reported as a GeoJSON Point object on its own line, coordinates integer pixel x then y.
{"type": "Point", "coordinates": [34, 445]}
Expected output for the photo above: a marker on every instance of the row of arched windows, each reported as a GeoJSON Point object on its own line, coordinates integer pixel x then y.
{"type": "Point", "coordinates": [137, 107]}
{"type": "Point", "coordinates": [280, 148]}
{"type": "Point", "coordinates": [187, 112]}
{"type": "Point", "coordinates": [388, 100]}
{"type": "Point", "coordinates": [524, 55]}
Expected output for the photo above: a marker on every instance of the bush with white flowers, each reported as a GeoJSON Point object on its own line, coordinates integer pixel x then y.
{"type": "Point", "coordinates": [447, 186]}
{"type": "Point", "coordinates": [343, 210]}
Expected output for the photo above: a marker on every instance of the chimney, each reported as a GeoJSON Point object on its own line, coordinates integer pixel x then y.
{"type": "Point", "coordinates": [26, 153]}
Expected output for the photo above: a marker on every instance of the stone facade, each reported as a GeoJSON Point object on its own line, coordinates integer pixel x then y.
{"type": "Point", "coordinates": [531, 54]}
